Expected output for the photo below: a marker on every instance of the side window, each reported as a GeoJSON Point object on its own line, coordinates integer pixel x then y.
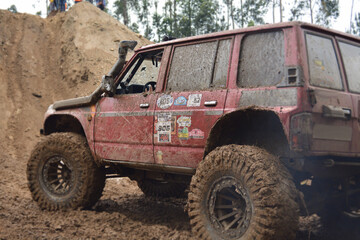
{"type": "Point", "coordinates": [351, 56]}
{"type": "Point", "coordinates": [261, 60]}
{"type": "Point", "coordinates": [142, 75]}
{"type": "Point", "coordinates": [323, 63]}
{"type": "Point", "coordinates": [199, 66]}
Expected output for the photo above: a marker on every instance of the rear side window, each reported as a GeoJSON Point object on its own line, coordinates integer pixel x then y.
{"type": "Point", "coordinates": [199, 66]}
{"type": "Point", "coordinates": [351, 56]}
{"type": "Point", "coordinates": [261, 60]}
{"type": "Point", "coordinates": [323, 63]}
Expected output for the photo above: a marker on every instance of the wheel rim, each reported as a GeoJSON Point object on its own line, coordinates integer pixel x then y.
{"type": "Point", "coordinates": [57, 175]}
{"type": "Point", "coordinates": [229, 207]}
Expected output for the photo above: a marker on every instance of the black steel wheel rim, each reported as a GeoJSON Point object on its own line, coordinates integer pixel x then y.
{"type": "Point", "coordinates": [57, 175]}
{"type": "Point", "coordinates": [230, 208]}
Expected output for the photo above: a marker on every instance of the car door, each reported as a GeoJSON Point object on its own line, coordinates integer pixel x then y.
{"type": "Point", "coordinates": [124, 122]}
{"type": "Point", "coordinates": [193, 100]}
{"type": "Point", "coordinates": [332, 107]}
{"type": "Point", "coordinates": [350, 54]}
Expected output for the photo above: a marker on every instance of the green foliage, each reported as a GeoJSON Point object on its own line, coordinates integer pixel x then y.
{"type": "Point", "coordinates": [297, 11]}
{"type": "Point", "coordinates": [355, 26]}
{"type": "Point", "coordinates": [134, 27]}
{"type": "Point", "coordinates": [38, 13]}
{"type": "Point", "coordinates": [12, 9]}
{"type": "Point", "coordinates": [252, 12]}
{"type": "Point", "coordinates": [328, 10]}
{"type": "Point", "coordinates": [122, 10]}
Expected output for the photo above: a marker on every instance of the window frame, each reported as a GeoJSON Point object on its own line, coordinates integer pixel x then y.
{"type": "Point", "coordinates": [194, 42]}
{"type": "Point", "coordinates": [243, 37]}
{"type": "Point", "coordinates": [133, 60]}
{"type": "Point", "coordinates": [356, 44]}
{"type": "Point", "coordinates": [337, 55]}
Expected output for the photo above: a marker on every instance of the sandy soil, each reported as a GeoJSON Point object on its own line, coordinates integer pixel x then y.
{"type": "Point", "coordinates": [44, 60]}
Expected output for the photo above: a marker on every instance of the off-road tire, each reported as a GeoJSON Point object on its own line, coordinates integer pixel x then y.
{"type": "Point", "coordinates": [262, 185]}
{"type": "Point", "coordinates": [85, 180]}
{"type": "Point", "coordinates": [154, 188]}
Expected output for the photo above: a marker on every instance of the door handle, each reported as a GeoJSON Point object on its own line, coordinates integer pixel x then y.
{"type": "Point", "coordinates": [144, 105]}
{"type": "Point", "coordinates": [336, 112]}
{"type": "Point", "coordinates": [210, 103]}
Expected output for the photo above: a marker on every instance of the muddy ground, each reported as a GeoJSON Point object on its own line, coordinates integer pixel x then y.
{"type": "Point", "coordinates": [44, 60]}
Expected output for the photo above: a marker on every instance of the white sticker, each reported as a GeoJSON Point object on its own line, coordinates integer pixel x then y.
{"type": "Point", "coordinates": [165, 101]}
{"type": "Point", "coordinates": [194, 100]}
{"type": "Point", "coordinates": [184, 121]}
{"type": "Point", "coordinates": [164, 132]}
{"type": "Point", "coordinates": [164, 126]}
{"type": "Point", "coordinates": [164, 117]}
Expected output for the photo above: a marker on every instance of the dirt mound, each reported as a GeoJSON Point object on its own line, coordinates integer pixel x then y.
{"type": "Point", "coordinates": [43, 60]}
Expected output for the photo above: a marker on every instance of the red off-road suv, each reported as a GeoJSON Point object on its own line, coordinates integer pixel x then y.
{"type": "Point", "coordinates": [257, 121]}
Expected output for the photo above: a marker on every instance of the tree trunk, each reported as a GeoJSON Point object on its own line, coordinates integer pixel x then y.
{"type": "Point", "coordinates": [311, 11]}
{"type": "Point", "coordinates": [273, 11]}
{"type": "Point", "coordinates": [281, 11]}
{"type": "Point", "coordinates": [125, 13]}
{"type": "Point", "coordinates": [352, 8]}
{"type": "Point", "coordinates": [175, 21]}
{"type": "Point", "coordinates": [242, 16]}
{"type": "Point", "coordinates": [232, 14]}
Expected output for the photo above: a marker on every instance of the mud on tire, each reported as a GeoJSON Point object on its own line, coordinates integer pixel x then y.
{"type": "Point", "coordinates": [242, 192]}
{"type": "Point", "coordinates": [154, 188]}
{"type": "Point", "coordinates": [62, 174]}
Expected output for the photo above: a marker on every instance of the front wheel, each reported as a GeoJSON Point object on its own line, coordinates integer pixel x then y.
{"type": "Point", "coordinates": [242, 192]}
{"type": "Point", "coordinates": [62, 173]}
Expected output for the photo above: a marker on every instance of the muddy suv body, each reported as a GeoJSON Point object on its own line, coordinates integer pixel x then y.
{"type": "Point", "coordinates": [251, 116]}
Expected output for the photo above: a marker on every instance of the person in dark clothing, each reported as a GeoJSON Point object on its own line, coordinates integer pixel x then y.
{"type": "Point", "coordinates": [100, 4]}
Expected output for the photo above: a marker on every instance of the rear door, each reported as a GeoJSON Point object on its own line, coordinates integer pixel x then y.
{"type": "Point", "coordinates": [350, 53]}
{"type": "Point", "coordinates": [193, 99]}
{"type": "Point", "coordinates": [332, 106]}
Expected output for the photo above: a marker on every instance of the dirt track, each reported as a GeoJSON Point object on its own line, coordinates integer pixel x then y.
{"type": "Point", "coordinates": [43, 60]}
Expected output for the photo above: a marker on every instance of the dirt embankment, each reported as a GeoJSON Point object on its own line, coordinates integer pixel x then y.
{"type": "Point", "coordinates": [44, 60]}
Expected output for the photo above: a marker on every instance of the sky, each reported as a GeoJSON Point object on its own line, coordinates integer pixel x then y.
{"type": "Point", "coordinates": [341, 24]}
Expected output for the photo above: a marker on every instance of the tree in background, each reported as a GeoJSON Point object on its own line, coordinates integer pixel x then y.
{"type": "Point", "coordinates": [251, 12]}
{"type": "Point", "coordinates": [297, 11]}
{"type": "Point", "coordinates": [230, 10]}
{"type": "Point", "coordinates": [143, 15]}
{"type": "Point", "coordinates": [156, 22]}
{"type": "Point", "coordinates": [325, 10]}
{"type": "Point", "coordinates": [355, 26]}
{"type": "Point", "coordinates": [12, 9]}
{"type": "Point", "coordinates": [122, 9]}
{"type": "Point", "coordinates": [328, 10]}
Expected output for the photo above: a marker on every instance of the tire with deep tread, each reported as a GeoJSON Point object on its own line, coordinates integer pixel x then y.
{"type": "Point", "coordinates": [265, 182]}
{"type": "Point", "coordinates": [87, 179]}
{"type": "Point", "coordinates": [154, 188]}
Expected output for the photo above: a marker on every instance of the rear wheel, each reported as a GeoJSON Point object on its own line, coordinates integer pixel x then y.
{"type": "Point", "coordinates": [155, 188]}
{"type": "Point", "coordinates": [242, 192]}
{"type": "Point", "coordinates": [62, 173]}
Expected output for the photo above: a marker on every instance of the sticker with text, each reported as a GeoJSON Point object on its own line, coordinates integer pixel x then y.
{"type": "Point", "coordinates": [164, 137]}
{"type": "Point", "coordinates": [184, 121]}
{"type": "Point", "coordinates": [180, 101]}
{"type": "Point", "coordinates": [164, 117]}
{"type": "Point", "coordinates": [196, 134]}
{"type": "Point", "coordinates": [165, 101]}
{"type": "Point", "coordinates": [183, 133]}
{"type": "Point", "coordinates": [194, 100]}
{"type": "Point", "coordinates": [164, 132]}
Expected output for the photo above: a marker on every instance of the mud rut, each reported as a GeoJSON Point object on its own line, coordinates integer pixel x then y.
{"type": "Point", "coordinates": [40, 63]}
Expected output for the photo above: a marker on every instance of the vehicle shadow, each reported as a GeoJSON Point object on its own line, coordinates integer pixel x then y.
{"type": "Point", "coordinates": [169, 212]}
